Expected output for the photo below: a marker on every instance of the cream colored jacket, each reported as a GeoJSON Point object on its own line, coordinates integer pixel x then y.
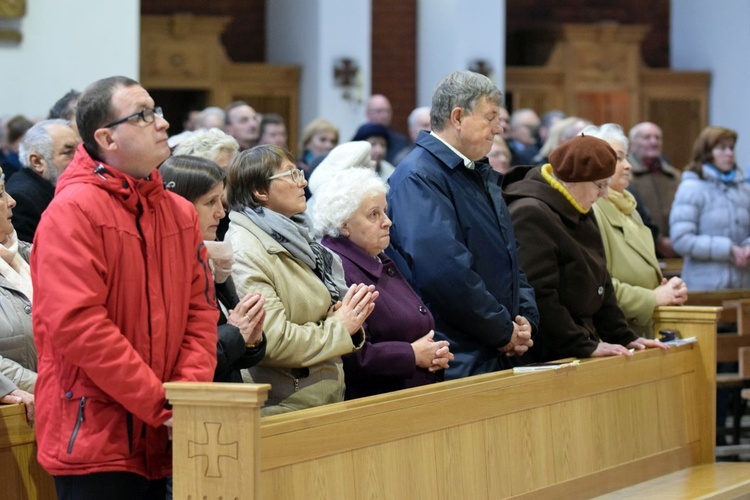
{"type": "Point", "coordinates": [632, 263]}
{"type": "Point", "coordinates": [300, 335]}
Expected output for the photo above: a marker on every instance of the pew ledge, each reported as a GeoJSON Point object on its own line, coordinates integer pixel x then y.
{"type": "Point", "coordinates": [722, 480]}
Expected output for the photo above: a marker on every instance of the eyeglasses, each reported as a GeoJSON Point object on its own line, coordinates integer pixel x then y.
{"type": "Point", "coordinates": [602, 185]}
{"type": "Point", "coordinates": [148, 115]}
{"type": "Point", "coordinates": [297, 175]}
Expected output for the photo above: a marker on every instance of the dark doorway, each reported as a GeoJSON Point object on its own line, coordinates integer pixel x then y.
{"type": "Point", "coordinates": [177, 104]}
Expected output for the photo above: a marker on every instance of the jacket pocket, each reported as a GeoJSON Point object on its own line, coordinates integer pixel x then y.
{"type": "Point", "coordinates": [96, 430]}
{"type": "Point", "coordinates": [79, 420]}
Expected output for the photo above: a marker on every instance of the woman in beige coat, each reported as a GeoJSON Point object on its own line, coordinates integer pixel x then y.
{"type": "Point", "coordinates": [17, 351]}
{"type": "Point", "coordinates": [629, 246]}
{"type": "Point", "coordinates": [312, 319]}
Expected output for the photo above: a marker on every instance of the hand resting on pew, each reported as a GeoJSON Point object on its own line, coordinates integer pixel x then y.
{"type": "Point", "coordinates": [607, 349]}
{"type": "Point", "coordinates": [18, 397]}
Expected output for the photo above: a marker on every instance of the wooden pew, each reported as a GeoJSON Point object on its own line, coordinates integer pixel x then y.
{"type": "Point", "coordinates": [579, 431]}
{"type": "Point", "coordinates": [734, 302]}
{"type": "Point", "coordinates": [730, 347]}
{"type": "Point", "coordinates": [22, 476]}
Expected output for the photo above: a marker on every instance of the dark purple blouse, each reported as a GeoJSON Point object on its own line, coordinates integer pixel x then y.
{"type": "Point", "coordinates": [386, 362]}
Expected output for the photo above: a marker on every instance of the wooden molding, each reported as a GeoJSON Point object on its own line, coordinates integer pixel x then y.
{"type": "Point", "coordinates": [12, 8]}
{"type": "Point", "coordinates": [10, 36]}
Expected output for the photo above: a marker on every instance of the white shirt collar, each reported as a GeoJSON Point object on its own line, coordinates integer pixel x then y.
{"type": "Point", "coordinates": [467, 162]}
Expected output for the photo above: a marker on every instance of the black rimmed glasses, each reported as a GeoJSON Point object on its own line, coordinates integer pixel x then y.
{"type": "Point", "coordinates": [148, 115]}
{"type": "Point", "coordinates": [297, 175]}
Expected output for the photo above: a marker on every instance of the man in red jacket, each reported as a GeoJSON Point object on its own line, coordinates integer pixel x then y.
{"type": "Point", "coordinates": [123, 302]}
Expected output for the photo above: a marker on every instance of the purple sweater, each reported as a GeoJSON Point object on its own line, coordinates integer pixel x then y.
{"type": "Point", "coordinates": [386, 362]}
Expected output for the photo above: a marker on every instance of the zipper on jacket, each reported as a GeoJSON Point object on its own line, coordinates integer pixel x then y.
{"type": "Point", "coordinates": [79, 421]}
{"type": "Point", "coordinates": [129, 422]}
{"type": "Point", "coordinates": [298, 374]}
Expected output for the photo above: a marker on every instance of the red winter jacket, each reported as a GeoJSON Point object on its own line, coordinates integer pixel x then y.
{"type": "Point", "coordinates": [123, 301]}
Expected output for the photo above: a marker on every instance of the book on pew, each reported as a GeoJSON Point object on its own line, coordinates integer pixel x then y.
{"type": "Point", "coordinates": [543, 367]}
{"type": "Point", "coordinates": [688, 340]}
{"type": "Point", "coordinates": [556, 365]}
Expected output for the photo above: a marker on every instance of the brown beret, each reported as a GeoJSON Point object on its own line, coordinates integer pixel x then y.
{"type": "Point", "coordinates": [582, 159]}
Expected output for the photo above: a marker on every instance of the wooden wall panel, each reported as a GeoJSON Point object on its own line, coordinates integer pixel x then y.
{"type": "Point", "coordinates": [394, 56]}
{"type": "Point", "coordinates": [530, 26]}
{"type": "Point", "coordinates": [245, 36]}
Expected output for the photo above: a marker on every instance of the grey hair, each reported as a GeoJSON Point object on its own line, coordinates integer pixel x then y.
{"type": "Point", "coordinates": [517, 115]}
{"type": "Point", "coordinates": [607, 132]}
{"type": "Point", "coordinates": [412, 119]}
{"type": "Point", "coordinates": [206, 143]}
{"type": "Point", "coordinates": [335, 202]}
{"type": "Point", "coordinates": [635, 129]}
{"type": "Point", "coordinates": [460, 89]}
{"type": "Point", "coordinates": [210, 111]}
{"type": "Point", "coordinates": [37, 140]}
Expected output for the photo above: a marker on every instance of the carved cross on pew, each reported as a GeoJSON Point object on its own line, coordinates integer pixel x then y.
{"type": "Point", "coordinates": [212, 449]}
{"type": "Point", "coordinates": [345, 72]}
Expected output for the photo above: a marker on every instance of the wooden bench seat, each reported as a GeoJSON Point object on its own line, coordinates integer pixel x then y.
{"type": "Point", "coordinates": [731, 347]}
{"type": "Point", "coordinates": [717, 481]}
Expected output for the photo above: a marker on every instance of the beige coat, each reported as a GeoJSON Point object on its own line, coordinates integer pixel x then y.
{"type": "Point", "coordinates": [17, 351]}
{"type": "Point", "coordinates": [299, 333]}
{"type": "Point", "coordinates": [632, 263]}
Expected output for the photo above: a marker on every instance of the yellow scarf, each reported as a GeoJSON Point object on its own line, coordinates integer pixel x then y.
{"type": "Point", "coordinates": [550, 178]}
{"type": "Point", "coordinates": [625, 202]}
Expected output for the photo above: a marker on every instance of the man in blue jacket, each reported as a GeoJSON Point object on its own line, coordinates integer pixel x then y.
{"type": "Point", "coordinates": [452, 230]}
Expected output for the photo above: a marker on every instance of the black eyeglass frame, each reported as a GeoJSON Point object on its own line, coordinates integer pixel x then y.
{"type": "Point", "coordinates": [154, 112]}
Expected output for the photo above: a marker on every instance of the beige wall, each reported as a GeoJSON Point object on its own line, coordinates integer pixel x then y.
{"type": "Point", "coordinates": [66, 44]}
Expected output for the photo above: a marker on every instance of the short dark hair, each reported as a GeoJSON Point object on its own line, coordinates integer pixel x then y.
{"type": "Point", "coordinates": [269, 119]}
{"type": "Point", "coordinates": [65, 107]}
{"type": "Point", "coordinates": [17, 127]}
{"type": "Point", "coordinates": [95, 108]}
{"type": "Point", "coordinates": [191, 176]}
{"type": "Point", "coordinates": [250, 171]}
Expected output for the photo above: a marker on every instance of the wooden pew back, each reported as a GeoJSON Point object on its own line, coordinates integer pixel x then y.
{"type": "Point", "coordinates": [577, 431]}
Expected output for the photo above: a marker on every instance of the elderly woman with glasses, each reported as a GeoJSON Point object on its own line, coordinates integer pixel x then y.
{"type": "Point", "coordinates": [399, 350]}
{"type": "Point", "coordinates": [18, 358]}
{"type": "Point", "coordinates": [312, 318]}
{"type": "Point", "coordinates": [562, 254]}
{"type": "Point", "coordinates": [629, 246]}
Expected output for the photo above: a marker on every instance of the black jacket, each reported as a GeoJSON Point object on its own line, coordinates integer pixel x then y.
{"type": "Point", "coordinates": [231, 353]}
{"type": "Point", "coordinates": [33, 194]}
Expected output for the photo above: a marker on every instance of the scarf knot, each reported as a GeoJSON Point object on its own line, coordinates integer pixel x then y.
{"type": "Point", "coordinates": [294, 234]}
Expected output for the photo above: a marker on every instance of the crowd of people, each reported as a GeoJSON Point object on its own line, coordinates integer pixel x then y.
{"type": "Point", "coordinates": [481, 241]}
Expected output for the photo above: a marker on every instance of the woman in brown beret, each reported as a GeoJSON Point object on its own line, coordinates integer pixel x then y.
{"type": "Point", "coordinates": [562, 254]}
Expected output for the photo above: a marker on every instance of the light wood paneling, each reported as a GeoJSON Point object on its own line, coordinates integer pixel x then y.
{"type": "Point", "coordinates": [575, 432]}
{"type": "Point", "coordinates": [184, 52]}
{"type": "Point", "coordinates": [22, 476]}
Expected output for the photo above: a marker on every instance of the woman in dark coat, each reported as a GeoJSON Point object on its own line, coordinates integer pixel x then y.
{"type": "Point", "coordinates": [399, 350]}
{"type": "Point", "coordinates": [562, 254]}
{"type": "Point", "coordinates": [241, 343]}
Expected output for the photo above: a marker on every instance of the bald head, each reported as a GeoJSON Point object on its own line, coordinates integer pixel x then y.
{"type": "Point", "coordinates": [379, 110]}
{"type": "Point", "coordinates": [419, 119]}
{"type": "Point", "coordinates": [646, 141]}
{"type": "Point", "coordinates": [524, 124]}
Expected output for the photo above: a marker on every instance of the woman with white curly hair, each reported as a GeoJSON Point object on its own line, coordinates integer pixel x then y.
{"type": "Point", "coordinates": [399, 350]}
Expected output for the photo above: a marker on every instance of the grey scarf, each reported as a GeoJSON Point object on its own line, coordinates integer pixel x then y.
{"type": "Point", "coordinates": [294, 235]}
